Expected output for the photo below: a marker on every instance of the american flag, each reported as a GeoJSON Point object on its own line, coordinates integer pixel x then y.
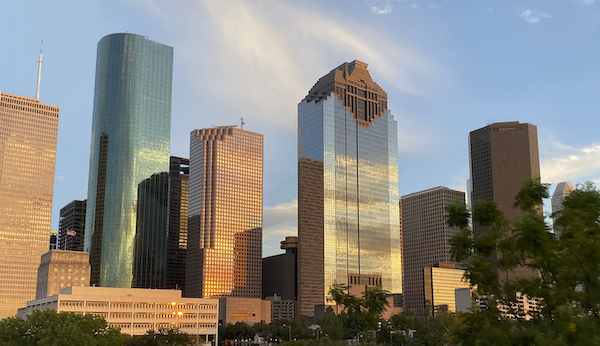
{"type": "Point", "coordinates": [71, 232]}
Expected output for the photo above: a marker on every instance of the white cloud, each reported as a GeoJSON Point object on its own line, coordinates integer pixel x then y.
{"type": "Point", "coordinates": [589, 2]}
{"type": "Point", "coordinates": [572, 164]}
{"type": "Point", "coordinates": [534, 16]}
{"type": "Point", "coordinates": [279, 221]}
{"type": "Point", "coordinates": [383, 7]}
{"type": "Point", "coordinates": [60, 176]}
{"type": "Point", "coordinates": [415, 6]}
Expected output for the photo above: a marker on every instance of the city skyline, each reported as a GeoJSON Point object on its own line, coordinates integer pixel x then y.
{"type": "Point", "coordinates": [451, 66]}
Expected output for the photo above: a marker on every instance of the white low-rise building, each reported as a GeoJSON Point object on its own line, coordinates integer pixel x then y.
{"type": "Point", "coordinates": [137, 310]}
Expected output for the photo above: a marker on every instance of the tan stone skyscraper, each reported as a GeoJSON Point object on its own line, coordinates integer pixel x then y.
{"type": "Point", "coordinates": [224, 256]}
{"type": "Point", "coordinates": [28, 130]}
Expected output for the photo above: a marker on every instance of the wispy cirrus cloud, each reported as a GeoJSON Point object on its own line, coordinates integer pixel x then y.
{"type": "Point", "coordinates": [533, 16]}
{"type": "Point", "coordinates": [588, 2]}
{"type": "Point", "coordinates": [253, 49]}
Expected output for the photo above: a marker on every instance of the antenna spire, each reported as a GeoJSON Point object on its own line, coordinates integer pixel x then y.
{"type": "Point", "coordinates": [37, 92]}
{"type": "Point", "coordinates": [242, 126]}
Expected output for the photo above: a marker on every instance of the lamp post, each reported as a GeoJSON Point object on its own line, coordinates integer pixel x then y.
{"type": "Point", "coordinates": [290, 327]}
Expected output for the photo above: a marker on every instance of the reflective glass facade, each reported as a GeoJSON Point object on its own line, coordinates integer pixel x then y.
{"type": "Point", "coordinates": [130, 144]}
{"type": "Point", "coordinates": [348, 223]}
{"type": "Point", "coordinates": [224, 254]}
{"type": "Point", "coordinates": [28, 131]}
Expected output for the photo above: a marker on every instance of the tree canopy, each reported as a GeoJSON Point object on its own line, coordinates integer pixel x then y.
{"type": "Point", "coordinates": [562, 263]}
{"type": "Point", "coordinates": [48, 328]}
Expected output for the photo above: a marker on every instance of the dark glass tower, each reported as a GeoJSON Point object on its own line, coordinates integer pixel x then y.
{"type": "Point", "coordinates": [348, 222]}
{"type": "Point", "coordinates": [72, 226]}
{"type": "Point", "coordinates": [130, 144]}
{"type": "Point", "coordinates": [179, 183]}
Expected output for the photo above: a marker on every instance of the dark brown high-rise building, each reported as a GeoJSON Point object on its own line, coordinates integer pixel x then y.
{"type": "Point", "coordinates": [224, 252]}
{"type": "Point", "coordinates": [425, 239]}
{"type": "Point", "coordinates": [71, 227]}
{"type": "Point", "coordinates": [502, 156]}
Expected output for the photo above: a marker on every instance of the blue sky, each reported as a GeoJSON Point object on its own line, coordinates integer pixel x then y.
{"type": "Point", "coordinates": [449, 67]}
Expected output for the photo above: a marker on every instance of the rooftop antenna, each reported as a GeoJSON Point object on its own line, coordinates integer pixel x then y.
{"type": "Point", "coordinates": [37, 92]}
{"type": "Point", "coordinates": [242, 126]}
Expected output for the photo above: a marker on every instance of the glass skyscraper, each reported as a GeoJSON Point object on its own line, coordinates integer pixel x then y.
{"type": "Point", "coordinates": [129, 152]}
{"type": "Point", "coordinates": [348, 221]}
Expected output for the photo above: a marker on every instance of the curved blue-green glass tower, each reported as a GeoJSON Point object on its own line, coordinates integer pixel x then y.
{"type": "Point", "coordinates": [130, 144]}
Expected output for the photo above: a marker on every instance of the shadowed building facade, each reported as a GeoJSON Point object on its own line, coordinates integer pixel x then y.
{"type": "Point", "coordinates": [503, 156]}
{"type": "Point", "coordinates": [179, 183]}
{"type": "Point", "coordinates": [224, 253]}
{"type": "Point", "coordinates": [425, 239]}
{"type": "Point", "coordinates": [28, 130]}
{"type": "Point", "coordinates": [72, 226]}
{"type": "Point", "coordinates": [129, 152]}
{"type": "Point", "coordinates": [348, 221]}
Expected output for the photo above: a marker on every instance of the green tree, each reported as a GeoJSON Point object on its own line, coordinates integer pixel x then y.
{"type": "Point", "coordinates": [48, 328]}
{"type": "Point", "coordinates": [164, 336]}
{"type": "Point", "coordinates": [565, 264]}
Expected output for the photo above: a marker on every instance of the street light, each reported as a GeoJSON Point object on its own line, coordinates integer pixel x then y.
{"type": "Point", "coordinates": [285, 325]}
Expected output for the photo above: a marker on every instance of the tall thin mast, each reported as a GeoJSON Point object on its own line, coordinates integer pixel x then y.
{"type": "Point", "coordinates": [37, 92]}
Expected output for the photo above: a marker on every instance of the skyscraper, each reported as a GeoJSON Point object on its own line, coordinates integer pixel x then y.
{"type": "Point", "coordinates": [72, 226]}
{"type": "Point", "coordinates": [129, 151]}
{"type": "Point", "coordinates": [502, 157]}
{"type": "Point", "coordinates": [348, 222]}
{"type": "Point", "coordinates": [179, 185]}
{"type": "Point", "coordinates": [560, 193]}
{"type": "Point", "coordinates": [224, 253]}
{"type": "Point", "coordinates": [425, 239]}
{"type": "Point", "coordinates": [28, 130]}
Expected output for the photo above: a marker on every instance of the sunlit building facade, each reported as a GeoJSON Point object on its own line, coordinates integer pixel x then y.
{"type": "Point", "coordinates": [224, 254]}
{"type": "Point", "coordinates": [129, 152]}
{"type": "Point", "coordinates": [136, 311]}
{"type": "Point", "coordinates": [348, 220]}
{"type": "Point", "coordinates": [441, 283]}
{"type": "Point", "coordinates": [28, 130]}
